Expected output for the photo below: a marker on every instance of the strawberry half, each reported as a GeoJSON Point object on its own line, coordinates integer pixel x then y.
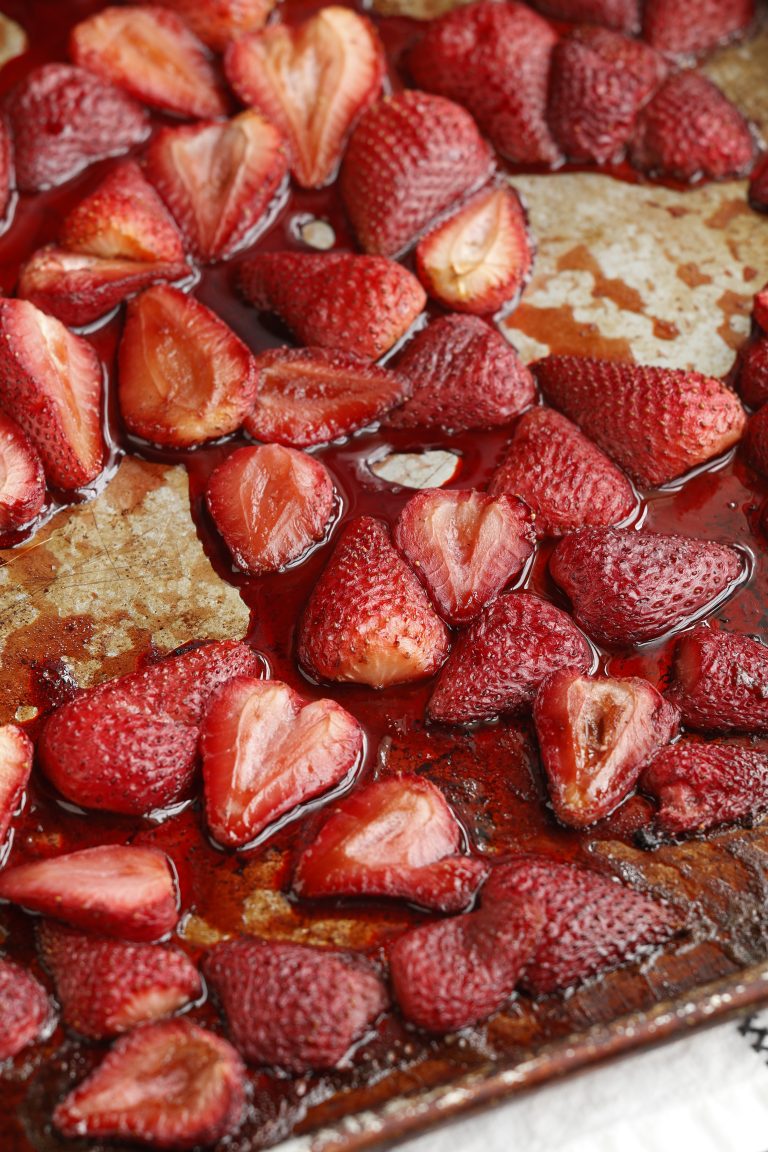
{"type": "Point", "coordinates": [357, 304]}
{"type": "Point", "coordinates": [752, 380]}
{"type": "Point", "coordinates": [395, 838]}
{"type": "Point", "coordinates": [694, 27]}
{"type": "Point", "coordinates": [168, 1085]}
{"type": "Point", "coordinates": [499, 661]}
{"type": "Point", "coordinates": [25, 1010]}
{"type": "Point", "coordinates": [721, 681]}
{"type": "Point", "coordinates": [312, 81]}
{"type": "Point", "coordinates": [701, 785]}
{"type": "Point", "coordinates": [15, 767]}
{"type": "Point", "coordinates": [368, 619]}
{"type": "Point", "coordinates": [410, 158]}
{"type": "Point", "coordinates": [622, 15]}
{"type": "Point", "coordinates": [22, 480]}
{"type": "Point", "coordinates": [758, 186]}
{"type": "Point", "coordinates": [184, 376]}
{"type": "Point", "coordinates": [216, 22]}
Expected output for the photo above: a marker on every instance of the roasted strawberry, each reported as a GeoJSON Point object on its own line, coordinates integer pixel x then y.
{"type": "Point", "coordinates": [623, 15]}
{"type": "Point", "coordinates": [752, 379]}
{"type": "Point", "coordinates": [721, 681]}
{"type": "Point", "coordinates": [694, 27]}
{"type": "Point", "coordinates": [464, 375]}
{"type": "Point", "coordinates": [25, 1010]}
{"type": "Point", "coordinates": [758, 186]}
{"type": "Point", "coordinates": [312, 80]}
{"type": "Point", "coordinates": [410, 158]}
{"type": "Point", "coordinates": [397, 838]}
{"type": "Point", "coordinates": [357, 304]}
{"type": "Point", "coordinates": [499, 661]}
{"type": "Point", "coordinates": [216, 22]}
{"type": "Point", "coordinates": [656, 423]}
{"type": "Point", "coordinates": [106, 986]}
{"type": "Point", "coordinates": [22, 487]}
{"type": "Point", "coordinates": [168, 1085]}
{"type": "Point", "coordinates": [627, 587]}
{"type": "Point", "coordinates": [15, 767]}
{"type": "Point", "coordinates": [219, 180]}
{"type": "Point", "coordinates": [368, 619]}
{"type": "Point", "coordinates": [701, 785]}
{"type": "Point", "coordinates": [756, 440]}
{"type": "Point", "coordinates": [6, 166]}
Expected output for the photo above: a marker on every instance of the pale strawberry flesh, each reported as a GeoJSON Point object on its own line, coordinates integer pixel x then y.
{"type": "Point", "coordinates": [720, 681]}
{"type": "Point", "coordinates": [15, 767]}
{"type": "Point", "coordinates": [26, 1013]}
{"type": "Point", "coordinates": [700, 785]}
{"type": "Point", "coordinates": [22, 479]}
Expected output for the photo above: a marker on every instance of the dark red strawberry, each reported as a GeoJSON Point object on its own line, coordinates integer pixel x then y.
{"type": "Point", "coordinates": [357, 304]}
{"type": "Point", "coordinates": [760, 308]}
{"type": "Point", "coordinates": [216, 22]}
{"type": "Point", "coordinates": [168, 1085]}
{"type": "Point", "coordinates": [565, 479]}
{"type": "Point", "coordinates": [22, 483]}
{"type": "Point", "coordinates": [627, 587]}
{"type": "Point", "coordinates": [6, 166]}
{"type": "Point", "coordinates": [657, 423]}
{"type": "Point", "coordinates": [756, 440]}
{"type": "Point", "coordinates": [26, 1013]}
{"type": "Point", "coordinates": [464, 375]}
{"type": "Point", "coordinates": [752, 379]}
{"type": "Point", "coordinates": [623, 15]}
{"type": "Point", "coordinates": [293, 1006]}
{"type": "Point", "coordinates": [694, 27]}
{"type": "Point", "coordinates": [397, 838]}
{"type": "Point", "coordinates": [15, 767]}
{"type": "Point", "coordinates": [721, 681]}
{"type": "Point", "coordinates": [312, 80]}
{"type": "Point", "coordinates": [368, 619]}
{"type": "Point", "coordinates": [758, 186]}
{"type": "Point", "coordinates": [105, 986]}
{"type": "Point", "coordinates": [410, 158]}
{"type": "Point", "coordinates": [499, 661]}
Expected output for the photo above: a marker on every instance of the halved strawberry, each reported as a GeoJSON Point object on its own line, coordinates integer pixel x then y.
{"type": "Point", "coordinates": [216, 22]}
{"type": "Point", "coordinates": [623, 15]}
{"type": "Point", "coordinates": [752, 379]}
{"type": "Point", "coordinates": [151, 53]}
{"type": "Point", "coordinates": [22, 480]}
{"type": "Point", "coordinates": [720, 681]}
{"type": "Point", "coordinates": [410, 158]}
{"type": "Point", "coordinates": [129, 745]}
{"type": "Point", "coordinates": [758, 186]}
{"type": "Point", "coordinates": [395, 838]}
{"type": "Point", "coordinates": [307, 396]}
{"type": "Point", "coordinates": [219, 180]}
{"type": "Point", "coordinates": [107, 986]}
{"type": "Point", "coordinates": [693, 27]}
{"type": "Point", "coordinates": [25, 1010]}
{"type": "Point", "coordinates": [6, 166]}
{"type": "Point", "coordinates": [168, 1085]}
{"type": "Point", "coordinates": [51, 384]}
{"type": "Point", "coordinates": [184, 376]}
{"type": "Point", "coordinates": [368, 619]}
{"type": "Point", "coordinates": [125, 892]}
{"type": "Point", "coordinates": [15, 767]}
{"type": "Point", "coordinates": [312, 80]}
{"type": "Point", "coordinates": [357, 304]}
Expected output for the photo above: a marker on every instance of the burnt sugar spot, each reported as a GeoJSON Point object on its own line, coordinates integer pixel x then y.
{"type": "Point", "coordinates": [692, 275]}
{"type": "Point", "coordinates": [623, 295]}
{"type": "Point", "coordinates": [560, 331]}
{"type": "Point", "coordinates": [733, 305]}
{"type": "Point", "coordinates": [727, 212]}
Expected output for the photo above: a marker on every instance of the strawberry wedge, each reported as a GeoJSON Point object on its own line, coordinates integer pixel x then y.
{"type": "Point", "coordinates": [720, 681]}
{"type": "Point", "coordinates": [15, 768]}
{"type": "Point", "coordinates": [26, 1013]}
{"type": "Point", "coordinates": [22, 487]}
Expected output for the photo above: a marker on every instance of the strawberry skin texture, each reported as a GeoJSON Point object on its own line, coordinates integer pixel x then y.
{"type": "Point", "coordinates": [216, 22]}
{"type": "Point", "coordinates": [752, 380]}
{"type": "Point", "coordinates": [621, 15]}
{"type": "Point", "coordinates": [410, 157]}
{"type": "Point", "coordinates": [701, 785]}
{"type": "Point", "coordinates": [694, 27]}
{"type": "Point", "coordinates": [22, 490]}
{"type": "Point", "coordinates": [499, 661]}
{"type": "Point", "coordinates": [25, 1010]}
{"type": "Point", "coordinates": [758, 186]}
{"type": "Point", "coordinates": [293, 1006]}
{"type": "Point", "coordinates": [656, 423]}
{"type": "Point", "coordinates": [15, 768]}
{"type": "Point", "coordinates": [756, 440]}
{"type": "Point", "coordinates": [357, 304]}
{"type": "Point", "coordinates": [628, 587]}
{"type": "Point", "coordinates": [721, 681]}
{"type": "Point", "coordinates": [6, 165]}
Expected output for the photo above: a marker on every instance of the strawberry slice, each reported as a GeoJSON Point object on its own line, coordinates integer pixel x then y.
{"type": "Point", "coordinates": [368, 619]}
{"type": "Point", "coordinates": [220, 180]}
{"type": "Point", "coordinates": [627, 587]}
{"type": "Point", "coordinates": [622, 15]}
{"type": "Point", "coordinates": [656, 423]}
{"type": "Point", "coordinates": [184, 376]}
{"type": "Point", "coordinates": [51, 384]}
{"type": "Point", "coordinates": [6, 166]}
{"type": "Point", "coordinates": [595, 734]}
{"type": "Point", "coordinates": [129, 745]}
{"type": "Point", "coordinates": [106, 986]}
{"type": "Point", "coordinates": [357, 304]}
{"type": "Point", "coordinates": [293, 1006]}
{"type": "Point", "coordinates": [565, 479]}
{"type": "Point", "coordinates": [312, 80]}
{"type": "Point", "coordinates": [758, 186]}
{"type": "Point", "coordinates": [15, 767]}
{"type": "Point", "coordinates": [151, 53]}
{"type": "Point", "coordinates": [721, 681]}
{"type": "Point", "coordinates": [395, 838]}
{"type": "Point", "coordinates": [694, 27]}
{"type": "Point", "coordinates": [22, 480]}
{"type": "Point", "coordinates": [499, 661]}
{"type": "Point", "coordinates": [410, 158]}
{"type": "Point", "coordinates": [464, 546]}
{"type": "Point", "coordinates": [125, 892]}
{"type": "Point", "coordinates": [752, 380]}
{"type": "Point", "coordinates": [167, 1085]}
{"type": "Point", "coordinates": [464, 375]}
{"type": "Point", "coordinates": [307, 396]}
{"type": "Point", "coordinates": [216, 22]}
{"type": "Point", "coordinates": [26, 1013]}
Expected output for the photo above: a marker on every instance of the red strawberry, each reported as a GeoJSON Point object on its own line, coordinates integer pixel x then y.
{"type": "Point", "coordinates": [396, 838]}
{"type": "Point", "coordinates": [6, 166]}
{"type": "Point", "coordinates": [464, 546]}
{"type": "Point", "coordinates": [25, 1010]}
{"type": "Point", "coordinates": [63, 118]}
{"type": "Point", "coordinates": [168, 1085]}
{"type": "Point", "coordinates": [693, 27]}
{"type": "Point", "coordinates": [307, 396]}
{"type": "Point", "coordinates": [184, 376]}
{"type": "Point", "coordinates": [623, 15]}
{"type": "Point", "coordinates": [129, 745]}
{"type": "Point", "coordinates": [752, 380]}
{"type": "Point", "coordinates": [565, 479]}
{"type": "Point", "coordinates": [368, 619]}
{"type": "Point", "coordinates": [216, 22]}
{"type": "Point", "coordinates": [219, 180]}
{"type": "Point", "coordinates": [293, 1006]}
{"type": "Point", "coordinates": [758, 186]}
{"type": "Point", "coordinates": [312, 80]}
{"type": "Point", "coordinates": [691, 131]}
{"type": "Point", "coordinates": [464, 375]}
{"type": "Point", "coordinates": [595, 734]}
{"type": "Point", "coordinates": [357, 304]}
{"type": "Point", "coordinates": [151, 53]}
{"type": "Point", "coordinates": [760, 308]}
{"type": "Point", "coordinates": [656, 423]}
{"type": "Point", "coordinates": [22, 488]}
{"type": "Point", "coordinates": [125, 892]}
{"type": "Point", "coordinates": [756, 440]}
{"type": "Point", "coordinates": [701, 785]}
{"type": "Point", "coordinates": [410, 157]}
{"type": "Point", "coordinates": [51, 384]}
{"type": "Point", "coordinates": [499, 661]}
{"type": "Point", "coordinates": [627, 587]}
{"type": "Point", "coordinates": [106, 986]}
{"type": "Point", "coordinates": [721, 681]}
{"type": "Point", "coordinates": [15, 767]}
{"type": "Point", "coordinates": [495, 60]}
